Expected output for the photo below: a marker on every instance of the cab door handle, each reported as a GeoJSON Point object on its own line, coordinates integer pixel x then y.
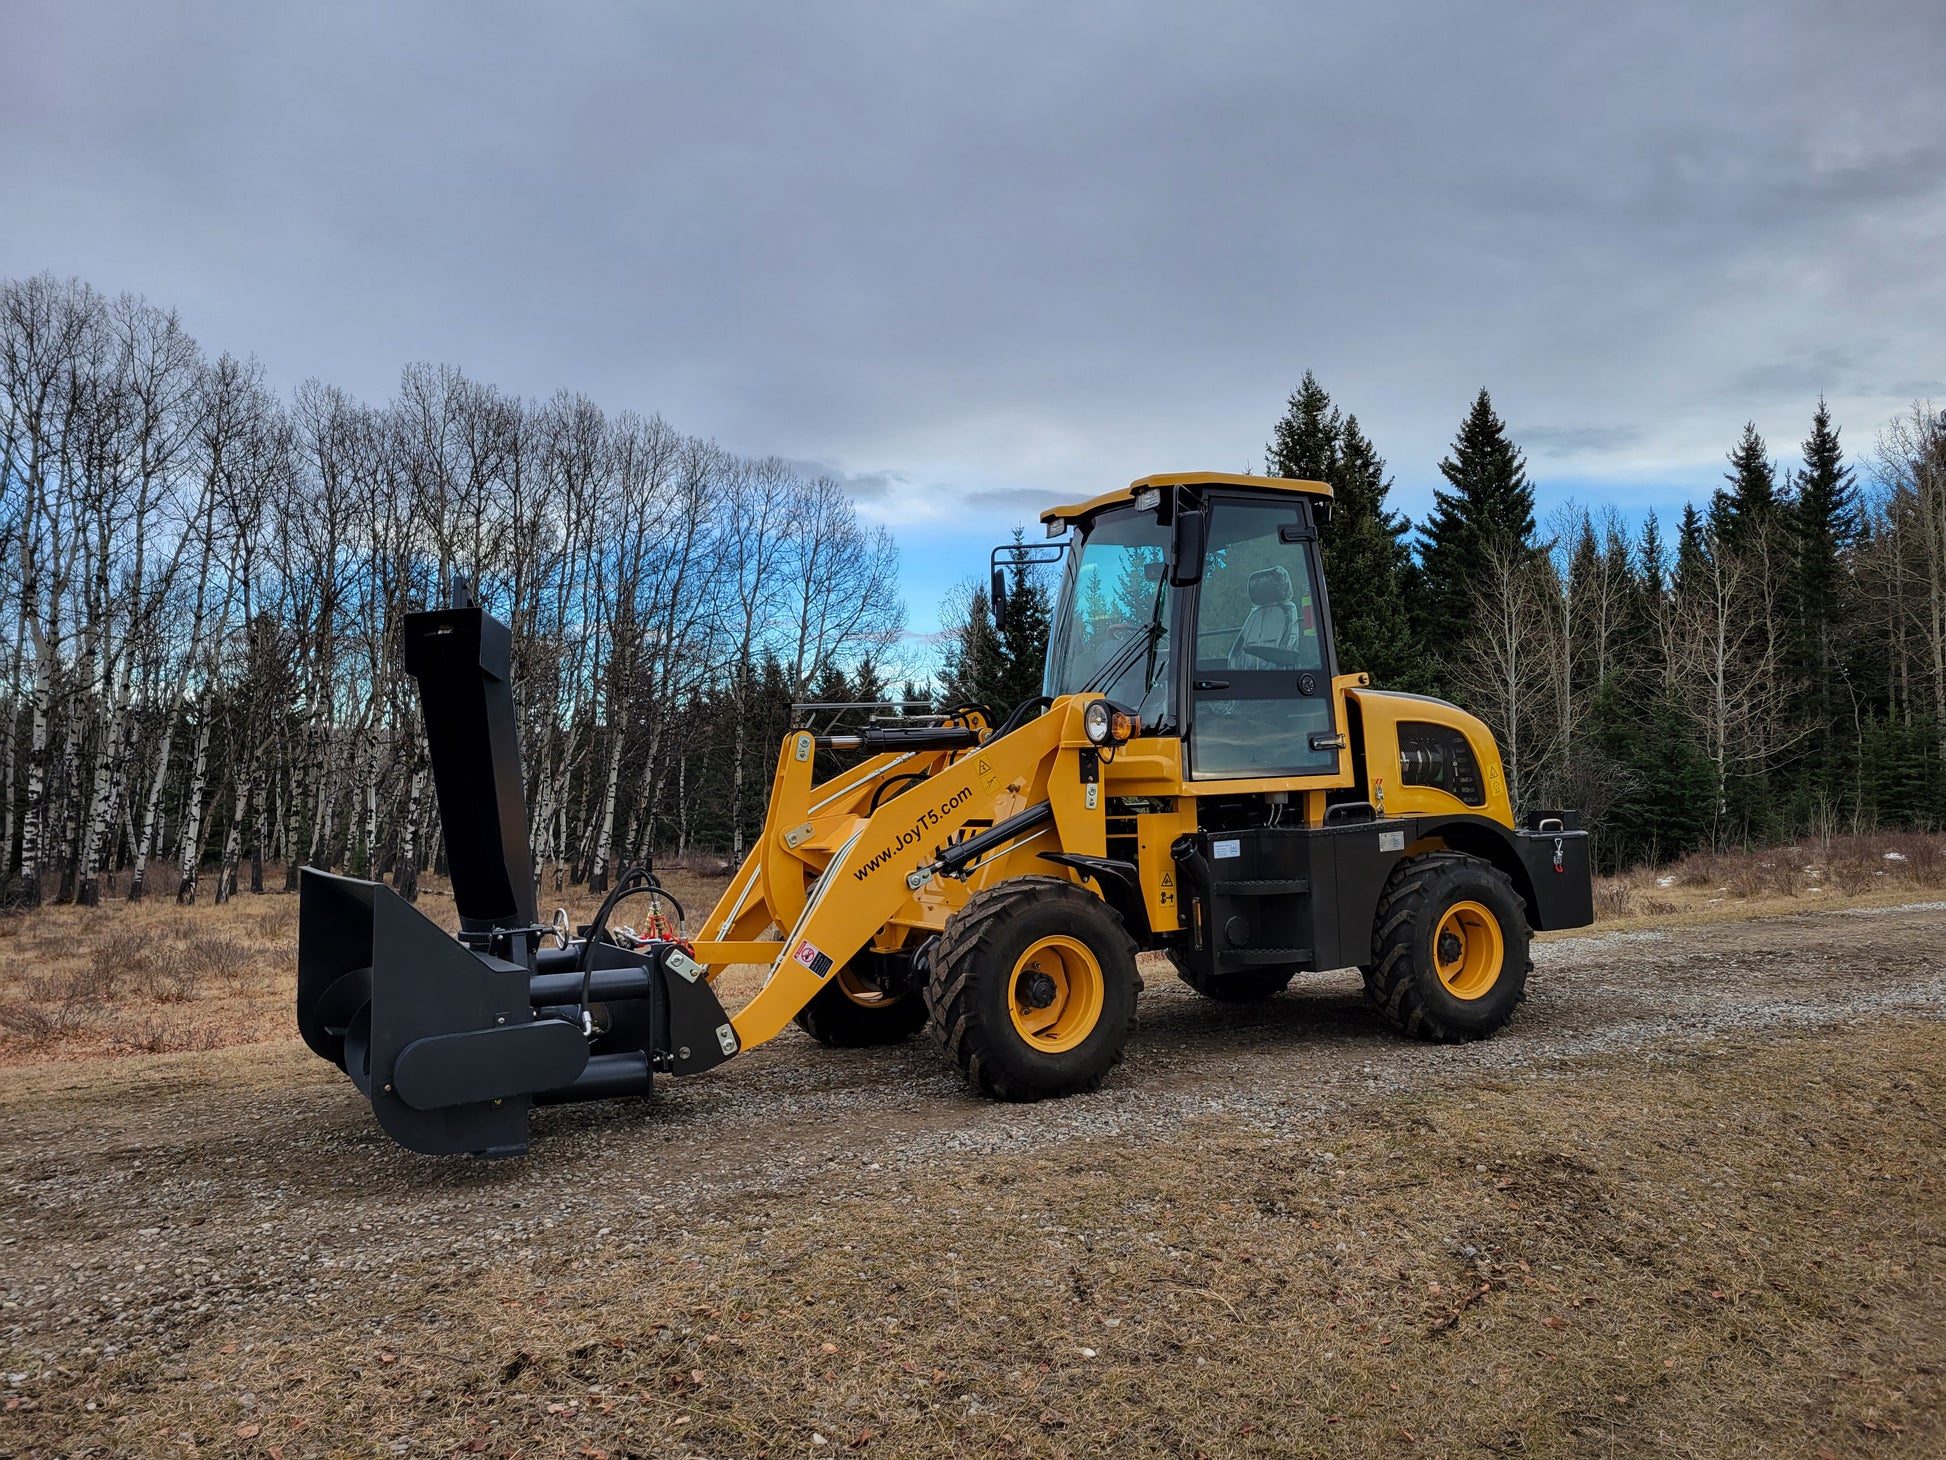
{"type": "Point", "coordinates": [1202, 684]}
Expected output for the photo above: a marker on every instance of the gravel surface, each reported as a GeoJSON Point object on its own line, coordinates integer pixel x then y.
{"type": "Point", "coordinates": [151, 1204]}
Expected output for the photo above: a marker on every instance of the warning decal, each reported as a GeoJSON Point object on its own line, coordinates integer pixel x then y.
{"type": "Point", "coordinates": [812, 958]}
{"type": "Point", "coordinates": [985, 769]}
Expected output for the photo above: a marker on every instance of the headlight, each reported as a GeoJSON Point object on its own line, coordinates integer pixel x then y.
{"type": "Point", "coordinates": [1106, 725]}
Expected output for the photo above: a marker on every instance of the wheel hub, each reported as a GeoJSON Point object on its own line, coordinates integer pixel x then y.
{"type": "Point", "coordinates": [1037, 989]}
{"type": "Point", "coordinates": [1055, 993]}
{"type": "Point", "coordinates": [1468, 950]}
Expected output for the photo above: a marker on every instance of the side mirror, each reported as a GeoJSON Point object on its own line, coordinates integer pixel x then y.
{"type": "Point", "coordinates": [1186, 549]}
{"type": "Point", "coordinates": [998, 598]}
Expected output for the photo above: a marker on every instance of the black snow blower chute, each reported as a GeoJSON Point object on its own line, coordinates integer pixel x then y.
{"type": "Point", "coordinates": [453, 1041]}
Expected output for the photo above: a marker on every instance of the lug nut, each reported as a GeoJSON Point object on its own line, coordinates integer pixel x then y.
{"type": "Point", "coordinates": [1036, 990]}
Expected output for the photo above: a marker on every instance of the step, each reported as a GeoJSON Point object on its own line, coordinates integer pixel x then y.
{"type": "Point", "coordinates": [1261, 887]}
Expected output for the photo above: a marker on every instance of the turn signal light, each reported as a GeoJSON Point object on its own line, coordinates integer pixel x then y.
{"type": "Point", "coordinates": [1107, 725]}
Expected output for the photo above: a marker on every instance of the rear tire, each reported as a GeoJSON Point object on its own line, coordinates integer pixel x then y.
{"type": "Point", "coordinates": [1248, 986]}
{"type": "Point", "coordinates": [1033, 989]}
{"type": "Point", "coordinates": [1449, 948]}
{"type": "Point", "coordinates": [848, 1013]}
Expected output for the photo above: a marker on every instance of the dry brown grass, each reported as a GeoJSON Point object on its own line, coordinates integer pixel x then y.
{"type": "Point", "coordinates": [1831, 871]}
{"type": "Point", "coordinates": [151, 977]}
{"type": "Point", "coordinates": [1734, 1251]}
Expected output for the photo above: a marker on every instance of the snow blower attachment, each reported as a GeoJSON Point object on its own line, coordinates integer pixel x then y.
{"type": "Point", "coordinates": [453, 1041]}
{"type": "Point", "coordinates": [1198, 780]}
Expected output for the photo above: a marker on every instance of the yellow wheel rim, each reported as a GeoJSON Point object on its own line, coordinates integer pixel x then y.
{"type": "Point", "coordinates": [1055, 993]}
{"type": "Point", "coordinates": [1468, 950]}
{"type": "Point", "coordinates": [861, 992]}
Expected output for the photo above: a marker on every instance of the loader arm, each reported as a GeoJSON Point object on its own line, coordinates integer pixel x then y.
{"type": "Point", "coordinates": [883, 861]}
{"type": "Point", "coordinates": [771, 885]}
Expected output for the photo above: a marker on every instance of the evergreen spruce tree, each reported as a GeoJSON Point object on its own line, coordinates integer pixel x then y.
{"type": "Point", "coordinates": [1652, 557]}
{"type": "Point", "coordinates": [1023, 644]}
{"type": "Point", "coordinates": [831, 686]}
{"type": "Point", "coordinates": [1692, 552]}
{"type": "Point", "coordinates": [1490, 508]}
{"type": "Point", "coordinates": [974, 662]}
{"type": "Point", "coordinates": [1649, 613]}
{"type": "Point", "coordinates": [866, 682]}
{"type": "Point", "coordinates": [999, 669]}
{"type": "Point", "coordinates": [1365, 566]}
{"type": "Point", "coordinates": [1750, 506]}
{"type": "Point", "coordinates": [1665, 779]}
{"type": "Point", "coordinates": [1305, 444]}
{"type": "Point", "coordinates": [1824, 523]}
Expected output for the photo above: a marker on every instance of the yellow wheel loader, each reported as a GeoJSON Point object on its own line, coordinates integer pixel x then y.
{"type": "Point", "coordinates": [1197, 780]}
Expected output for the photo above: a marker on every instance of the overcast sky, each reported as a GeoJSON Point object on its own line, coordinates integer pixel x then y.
{"type": "Point", "coordinates": [977, 258]}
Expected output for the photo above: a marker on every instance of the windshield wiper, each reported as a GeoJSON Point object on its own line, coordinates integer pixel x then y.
{"type": "Point", "coordinates": [1155, 638]}
{"type": "Point", "coordinates": [1140, 642]}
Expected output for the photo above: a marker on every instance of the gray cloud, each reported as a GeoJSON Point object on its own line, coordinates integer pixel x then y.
{"type": "Point", "coordinates": [1025, 502]}
{"type": "Point", "coordinates": [865, 486]}
{"type": "Point", "coordinates": [1028, 251]}
{"type": "Point", "coordinates": [1567, 441]}
{"type": "Point", "coordinates": [1826, 371]}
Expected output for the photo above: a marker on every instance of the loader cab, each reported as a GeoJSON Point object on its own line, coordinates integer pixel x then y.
{"type": "Point", "coordinates": [1200, 604]}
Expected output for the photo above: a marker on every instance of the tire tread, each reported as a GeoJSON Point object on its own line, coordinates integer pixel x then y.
{"type": "Point", "coordinates": [955, 1020]}
{"type": "Point", "coordinates": [1392, 978]}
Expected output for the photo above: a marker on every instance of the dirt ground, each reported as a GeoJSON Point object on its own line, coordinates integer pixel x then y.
{"type": "Point", "coordinates": [1688, 1204]}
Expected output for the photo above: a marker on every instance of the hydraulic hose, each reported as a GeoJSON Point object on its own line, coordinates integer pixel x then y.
{"type": "Point", "coordinates": [1022, 712]}
{"type": "Point", "coordinates": [596, 929]}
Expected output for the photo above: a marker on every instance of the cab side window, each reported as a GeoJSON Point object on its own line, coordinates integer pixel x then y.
{"type": "Point", "coordinates": [1261, 688]}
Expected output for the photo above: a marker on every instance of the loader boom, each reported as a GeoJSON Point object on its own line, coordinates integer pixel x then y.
{"type": "Point", "coordinates": [870, 878]}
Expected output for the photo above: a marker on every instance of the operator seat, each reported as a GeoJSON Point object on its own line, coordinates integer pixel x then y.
{"type": "Point", "coordinates": [1275, 623]}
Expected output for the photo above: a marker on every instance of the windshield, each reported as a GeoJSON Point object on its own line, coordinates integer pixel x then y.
{"type": "Point", "coordinates": [1114, 605]}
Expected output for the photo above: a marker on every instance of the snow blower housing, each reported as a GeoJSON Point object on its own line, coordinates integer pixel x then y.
{"type": "Point", "coordinates": [453, 1041]}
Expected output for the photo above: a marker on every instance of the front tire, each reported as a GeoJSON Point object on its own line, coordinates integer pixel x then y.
{"type": "Point", "coordinates": [1033, 989]}
{"type": "Point", "coordinates": [1449, 948]}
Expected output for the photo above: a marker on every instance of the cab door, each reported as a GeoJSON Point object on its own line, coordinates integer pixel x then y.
{"type": "Point", "coordinates": [1260, 695]}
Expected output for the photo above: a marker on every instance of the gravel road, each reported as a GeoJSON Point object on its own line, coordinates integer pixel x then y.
{"type": "Point", "coordinates": [150, 1204]}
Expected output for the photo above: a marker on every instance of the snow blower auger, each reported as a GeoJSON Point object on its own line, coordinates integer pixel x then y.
{"type": "Point", "coordinates": [1197, 780]}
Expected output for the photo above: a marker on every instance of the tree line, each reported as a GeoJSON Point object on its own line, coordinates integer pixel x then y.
{"type": "Point", "coordinates": [201, 585]}
{"type": "Point", "coordinates": [1775, 667]}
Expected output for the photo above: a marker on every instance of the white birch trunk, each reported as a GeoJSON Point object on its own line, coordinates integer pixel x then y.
{"type": "Point", "coordinates": [190, 860]}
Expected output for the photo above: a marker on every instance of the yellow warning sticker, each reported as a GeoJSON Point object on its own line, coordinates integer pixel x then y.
{"type": "Point", "coordinates": [984, 768]}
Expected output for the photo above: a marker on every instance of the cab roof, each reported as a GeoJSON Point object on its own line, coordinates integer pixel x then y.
{"type": "Point", "coordinates": [1071, 511]}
